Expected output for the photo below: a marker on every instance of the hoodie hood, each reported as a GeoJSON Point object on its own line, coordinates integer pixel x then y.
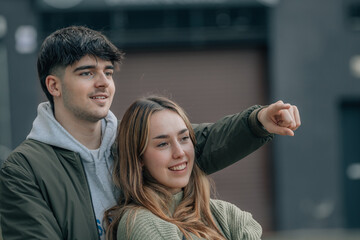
{"type": "Point", "coordinates": [48, 130]}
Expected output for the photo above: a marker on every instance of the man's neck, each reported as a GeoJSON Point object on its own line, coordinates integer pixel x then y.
{"type": "Point", "coordinates": [87, 133]}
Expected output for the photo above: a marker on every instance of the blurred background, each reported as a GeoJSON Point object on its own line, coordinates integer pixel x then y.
{"type": "Point", "coordinates": [218, 57]}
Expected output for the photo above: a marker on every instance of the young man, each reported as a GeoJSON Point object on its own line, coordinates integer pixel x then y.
{"type": "Point", "coordinates": [57, 183]}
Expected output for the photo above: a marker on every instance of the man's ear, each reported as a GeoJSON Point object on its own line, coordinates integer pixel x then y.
{"type": "Point", "coordinates": [53, 85]}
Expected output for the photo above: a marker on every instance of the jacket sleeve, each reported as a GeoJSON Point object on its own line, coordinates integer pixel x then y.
{"type": "Point", "coordinates": [24, 212]}
{"type": "Point", "coordinates": [228, 140]}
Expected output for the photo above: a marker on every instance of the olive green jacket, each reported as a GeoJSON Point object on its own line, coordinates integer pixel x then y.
{"type": "Point", "coordinates": [44, 192]}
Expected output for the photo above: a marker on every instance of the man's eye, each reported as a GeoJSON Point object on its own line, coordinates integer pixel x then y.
{"type": "Point", "coordinates": [109, 74]}
{"type": "Point", "coordinates": [85, 74]}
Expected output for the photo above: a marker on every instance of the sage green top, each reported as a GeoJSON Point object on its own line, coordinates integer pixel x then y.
{"type": "Point", "coordinates": [234, 223]}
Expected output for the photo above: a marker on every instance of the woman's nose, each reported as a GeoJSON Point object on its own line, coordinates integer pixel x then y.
{"type": "Point", "coordinates": [178, 151]}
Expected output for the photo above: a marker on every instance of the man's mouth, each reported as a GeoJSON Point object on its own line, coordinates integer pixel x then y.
{"type": "Point", "coordinates": [98, 97]}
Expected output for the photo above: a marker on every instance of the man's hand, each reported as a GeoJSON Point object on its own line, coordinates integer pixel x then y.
{"type": "Point", "coordinates": [280, 118]}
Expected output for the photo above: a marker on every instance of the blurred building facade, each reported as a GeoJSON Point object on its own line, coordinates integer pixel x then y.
{"type": "Point", "coordinates": [217, 57]}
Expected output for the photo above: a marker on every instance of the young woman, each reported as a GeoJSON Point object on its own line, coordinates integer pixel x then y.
{"type": "Point", "coordinates": [164, 194]}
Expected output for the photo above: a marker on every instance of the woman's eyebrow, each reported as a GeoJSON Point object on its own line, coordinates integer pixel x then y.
{"type": "Point", "coordinates": [183, 131]}
{"type": "Point", "coordinates": [161, 136]}
{"type": "Point", "coordinates": [167, 136]}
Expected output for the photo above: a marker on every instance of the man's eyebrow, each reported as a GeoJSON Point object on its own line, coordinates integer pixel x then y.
{"type": "Point", "coordinates": [91, 67]}
{"type": "Point", "coordinates": [109, 67]}
{"type": "Point", "coordinates": [84, 67]}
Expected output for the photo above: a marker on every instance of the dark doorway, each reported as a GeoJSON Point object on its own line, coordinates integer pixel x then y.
{"type": "Point", "coordinates": [350, 128]}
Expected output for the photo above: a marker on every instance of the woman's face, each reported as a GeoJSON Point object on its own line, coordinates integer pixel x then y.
{"type": "Point", "coordinates": [169, 155]}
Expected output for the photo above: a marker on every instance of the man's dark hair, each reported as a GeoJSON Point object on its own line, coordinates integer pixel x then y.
{"type": "Point", "coordinates": [68, 45]}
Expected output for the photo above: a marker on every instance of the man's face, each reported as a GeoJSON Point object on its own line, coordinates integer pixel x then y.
{"type": "Point", "coordinates": [87, 90]}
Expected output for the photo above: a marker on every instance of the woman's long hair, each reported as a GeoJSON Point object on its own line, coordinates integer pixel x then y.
{"type": "Point", "coordinates": [141, 190]}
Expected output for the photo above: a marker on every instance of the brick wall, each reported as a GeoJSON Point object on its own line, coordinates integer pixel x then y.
{"type": "Point", "coordinates": [209, 84]}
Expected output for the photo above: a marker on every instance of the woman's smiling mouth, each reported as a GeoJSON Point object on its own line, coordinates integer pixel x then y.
{"type": "Point", "coordinates": [179, 167]}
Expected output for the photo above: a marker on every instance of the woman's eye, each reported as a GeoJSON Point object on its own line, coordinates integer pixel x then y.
{"type": "Point", "coordinates": [162, 144]}
{"type": "Point", "coordinates": [185, 138]}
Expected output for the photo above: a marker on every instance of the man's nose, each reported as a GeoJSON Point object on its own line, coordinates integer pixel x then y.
{"type": "Point", "coordinates": [102, 80]}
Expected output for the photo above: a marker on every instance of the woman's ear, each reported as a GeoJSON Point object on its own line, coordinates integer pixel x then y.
{"type": "Point", "coordinates": [53, 85]}
{"type": "Point", "coordinates": [141, 162]}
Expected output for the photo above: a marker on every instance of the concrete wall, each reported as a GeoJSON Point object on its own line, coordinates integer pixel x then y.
{"type": "Point", "coordinates": [21, 68]}
{"type": "Point", "coordinates": [311, 46]}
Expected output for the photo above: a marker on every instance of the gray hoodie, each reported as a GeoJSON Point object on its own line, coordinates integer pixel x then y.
{"type": "Point", "coordinates": [97, 163]}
